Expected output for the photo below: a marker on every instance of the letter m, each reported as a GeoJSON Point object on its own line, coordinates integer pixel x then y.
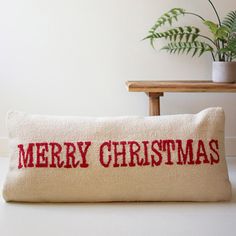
{"type": "Point", "coordinates": [25, 156]}
{"type": "Point", "coordinates": [187, 156]}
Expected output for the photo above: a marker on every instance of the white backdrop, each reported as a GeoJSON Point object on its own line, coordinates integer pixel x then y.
{"type": "Point", "coordinates": [72, 57]}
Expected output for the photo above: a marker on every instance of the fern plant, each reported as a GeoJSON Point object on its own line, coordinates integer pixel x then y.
{"type": "Point", "coordinates": [188, 39]}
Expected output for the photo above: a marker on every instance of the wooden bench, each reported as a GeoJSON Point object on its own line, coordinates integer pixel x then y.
{"type": "Point", "coordinates": [156, 89]}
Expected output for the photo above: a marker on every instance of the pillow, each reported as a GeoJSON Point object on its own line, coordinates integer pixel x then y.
{"type": "Point", "coordinates": [77, 159]}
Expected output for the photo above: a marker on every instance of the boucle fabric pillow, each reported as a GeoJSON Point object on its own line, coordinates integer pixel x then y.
{"type": "Point", "coordinates": [76, 159]}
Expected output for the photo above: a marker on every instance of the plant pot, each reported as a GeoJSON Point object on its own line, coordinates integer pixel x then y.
{"type": "Point", "coordinates": [224, 72]}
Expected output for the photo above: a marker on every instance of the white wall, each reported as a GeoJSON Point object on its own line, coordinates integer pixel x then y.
{"type": "Point", "coordinates": [72, 57]}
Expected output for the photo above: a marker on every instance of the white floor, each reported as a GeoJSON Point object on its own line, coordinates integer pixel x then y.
{"type": "Point", "coordinates": [119, 218]}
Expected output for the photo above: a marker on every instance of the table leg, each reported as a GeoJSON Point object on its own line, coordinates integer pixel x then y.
{"type": "Point", "coordinates": [154, 103]}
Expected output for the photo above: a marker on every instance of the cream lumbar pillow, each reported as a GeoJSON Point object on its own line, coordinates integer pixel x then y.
{"type": "Point", "coordinates": [75, 159]}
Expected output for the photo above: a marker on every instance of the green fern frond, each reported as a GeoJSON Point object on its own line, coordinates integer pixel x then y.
{"type": "Point", "coordinates": [230, 21]}
{"type": "Point", "coordinates": [188, 33]}
{"type": "Point", "coordinates": [230, 48]}
{"type": "Point", "coordinates": [167, 18]}
{"type": "Point", "coordinates": [232, 45]}
{"type": "Point", "coordinates": [197, 47]}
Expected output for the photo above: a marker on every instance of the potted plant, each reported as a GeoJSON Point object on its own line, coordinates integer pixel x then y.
{"type": "Point", "coordinates": [189, 39]}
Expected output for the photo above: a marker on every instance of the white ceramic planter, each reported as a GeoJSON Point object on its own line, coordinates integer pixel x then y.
{"type": "Point", "coordinates": [224, 72]}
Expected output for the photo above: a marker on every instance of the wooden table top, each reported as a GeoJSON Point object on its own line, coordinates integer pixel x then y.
{"type": "Point", "coordinates": [179, 86]}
